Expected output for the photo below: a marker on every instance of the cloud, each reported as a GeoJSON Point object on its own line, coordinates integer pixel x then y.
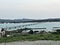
{"type": "Point", "coordinates": [29, 8]}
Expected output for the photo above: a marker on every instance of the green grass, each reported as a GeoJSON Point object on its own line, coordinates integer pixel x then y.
{"type": "Point", "coordinates": [31, 37]}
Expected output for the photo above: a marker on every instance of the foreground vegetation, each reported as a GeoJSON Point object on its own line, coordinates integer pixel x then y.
{"type": "Point", "coordinates": [30, 37]}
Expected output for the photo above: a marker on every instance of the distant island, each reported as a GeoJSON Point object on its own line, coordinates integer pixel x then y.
{"type": "Point", "coordinates": [29, 20]}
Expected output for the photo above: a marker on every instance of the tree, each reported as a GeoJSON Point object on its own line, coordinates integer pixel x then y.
{"type": "Point", "coordinates": [42, 31]}
{"type": "Point", "coordinates": [2, 29]}
{"type": "Point", "coordinates": [31, 32]}
{"type": "Point", "coordinates": [58, 31]}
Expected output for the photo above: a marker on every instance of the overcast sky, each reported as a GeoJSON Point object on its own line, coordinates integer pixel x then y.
{"type": "Point", "coordinates": [32, 9]}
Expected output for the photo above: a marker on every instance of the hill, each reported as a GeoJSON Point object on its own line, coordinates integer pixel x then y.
{"type": "Point", "coordinates": [28, 20]}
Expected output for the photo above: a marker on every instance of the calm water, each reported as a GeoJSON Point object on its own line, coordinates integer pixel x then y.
{"type": "Point", "coordinates": [47, 25]}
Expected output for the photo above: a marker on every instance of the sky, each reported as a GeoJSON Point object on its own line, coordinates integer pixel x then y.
{"type": "Point", "coordinates": [32, 9]}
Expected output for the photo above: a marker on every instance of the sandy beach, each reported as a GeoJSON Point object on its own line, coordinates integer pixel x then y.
{"type": "Point", "coordinates": [41, 42]}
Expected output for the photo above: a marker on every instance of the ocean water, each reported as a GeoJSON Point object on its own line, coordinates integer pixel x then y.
{"type": "Point", "coordinates": [48, 25]}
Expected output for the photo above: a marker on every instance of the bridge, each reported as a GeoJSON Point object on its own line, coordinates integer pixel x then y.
{"type": "Point", "coordinates": [20, 26]}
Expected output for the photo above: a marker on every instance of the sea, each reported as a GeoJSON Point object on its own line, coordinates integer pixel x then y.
{"type": "Point", "coordinates": [41, 25]}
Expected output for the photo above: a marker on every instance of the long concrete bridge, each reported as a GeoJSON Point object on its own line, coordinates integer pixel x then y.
{"type": "Point", "coordinates": [20, 26]}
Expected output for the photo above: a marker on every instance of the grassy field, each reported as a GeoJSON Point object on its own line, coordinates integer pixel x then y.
{"type": "Point", "coordinates": [31, 37]}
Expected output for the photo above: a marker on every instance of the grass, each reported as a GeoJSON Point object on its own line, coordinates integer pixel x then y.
{"type": "Point", "coordinates": [31, 37]}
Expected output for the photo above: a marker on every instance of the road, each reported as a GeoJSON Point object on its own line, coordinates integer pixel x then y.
{"type": "Point", "coordinates": [41, 42]}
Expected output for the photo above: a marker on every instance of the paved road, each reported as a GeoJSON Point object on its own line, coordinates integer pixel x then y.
{"type": "Point", "coordinates": [33, 43]}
